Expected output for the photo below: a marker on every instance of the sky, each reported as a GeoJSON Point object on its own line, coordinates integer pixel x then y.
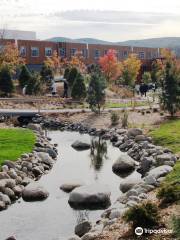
{"type": "Point", "coordinates": [111, 20]}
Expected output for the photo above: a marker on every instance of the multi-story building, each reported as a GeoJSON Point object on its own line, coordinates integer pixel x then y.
{"type": "Point", "coordinates": [35, 52]}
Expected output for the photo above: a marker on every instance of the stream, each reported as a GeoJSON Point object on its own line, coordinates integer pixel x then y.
{"type": "Point", "coordinates": [54, 219]}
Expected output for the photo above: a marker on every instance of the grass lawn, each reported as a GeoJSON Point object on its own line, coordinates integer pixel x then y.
{"type": "Point", "coordinates": [14, 142]}
{"type": "Point", "coordinates": [168, 135]}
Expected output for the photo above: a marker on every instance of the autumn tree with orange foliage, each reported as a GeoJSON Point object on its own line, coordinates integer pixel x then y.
{"type": "Point", "coordinates": [9, 57]}
{"type": "Point", "coordinates": [110, 66]}
{"type": "Point", "coordinates": [53, 62]}
{"type": "Point", "coordinates": [77, 62]}
{"type": "Point", "coordinates": [130, 69]}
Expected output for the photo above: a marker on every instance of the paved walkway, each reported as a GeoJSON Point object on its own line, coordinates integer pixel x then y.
{"type": "Point", "coordinates": [28, 112]}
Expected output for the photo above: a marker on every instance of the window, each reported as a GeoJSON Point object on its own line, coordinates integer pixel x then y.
{"type": "Point", "coordinates": [125, 54]}
{"type": "Point", "coordinates": [85, 53]}
{"type": "Point", "coordinates": [22, 51]}
{"type": "Point", "coordinates": [62, 52]}
{"type": "Point", "coordinates": [48, 52]}
{"type": "Point", "coordinates": [96, 53]}
{"type": "Point", "coordinates": [73, 51]}
{"type": "Point", "coordinates": [35, 52]}
{"type": "Point", "coordinates": [141, 55]}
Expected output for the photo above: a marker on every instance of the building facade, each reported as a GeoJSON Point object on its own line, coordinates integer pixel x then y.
{"type": "Point", "coordinates": [35, 52]}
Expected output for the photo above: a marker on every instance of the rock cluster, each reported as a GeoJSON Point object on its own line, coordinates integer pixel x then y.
{"type": "Point", "coordinates": [18, 178]}
{"type": "Point", "coordinates": [151, 161]}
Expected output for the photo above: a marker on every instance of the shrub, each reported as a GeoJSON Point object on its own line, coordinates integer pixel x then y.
{"type": "Point", "coordinates": [79, 88]}
{"type": "Point", "coordinates": [6, 83]}
{"type": "Point", "coordinates": [24, 76]}
{"type": "Point", "coordinates": [34, 85]}
{"type": "Point", "coordinates": [169, 193]}
{"type": "Point", "coordinates": [144, 215]}
{"type": "Point", "coordinates": [124, 119]}
{"type": "Point", "coordinates": [72, 76]}
{"type": "Point", "coordinates": [176, 226]}
{"type": "Point", "coordinates": [114, 118]}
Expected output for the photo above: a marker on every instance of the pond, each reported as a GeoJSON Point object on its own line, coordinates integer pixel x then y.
{"type": "Point", "coordinates": [54, 219]}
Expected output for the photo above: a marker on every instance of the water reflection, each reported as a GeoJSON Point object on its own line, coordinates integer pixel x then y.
{"type": "Point", "coordinates": [98, 153]}
{"type": "Point", "coordinates": [81, 216]}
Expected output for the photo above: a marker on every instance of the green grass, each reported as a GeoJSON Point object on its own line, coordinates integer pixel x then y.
{"type": "Point", "coordinates": [168, 135]}
{"type": "Point", "coordinates": [14, 142]}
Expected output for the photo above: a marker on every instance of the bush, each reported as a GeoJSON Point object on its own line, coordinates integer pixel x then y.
{"type": "Point", "coordinates": [79, 88]}
{"type": "Point", "coordinates": [72, 76]}
{"type": "Point", "coordinates": [124, 119]}
{"type": "Point", "coordinates": [114, 118]}
{"type": "Point", "coordinates": [34, 85]}
{"type": "Point", "coordinates": [169, 193]}
{"type": "Point", "coordinates": [24, 76]}
{"type": "Point", "coordinates": [176, 226]}
{"type": "Point", "coordinates": [144, 215]}
{"type": "Point", "coordinates": [6, 83]}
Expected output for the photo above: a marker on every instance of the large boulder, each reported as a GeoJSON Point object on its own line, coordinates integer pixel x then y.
{"type": "Point", "coordinates": [34, 192]}
{"type": "Point", "coordinates": [124, 164]}
{"type": "Point", "coordinates": [160, 171]}
{"type": "Point", "coordinates": [78, 145]}
{"type": "Point", "coordinates": [95, 196]}
{"type": "Point", "coordinates": [82, 228]}
{"type": "Point", "coordinates": [165, 157]}
{"type": "Point", "coordinates": [127, 184]}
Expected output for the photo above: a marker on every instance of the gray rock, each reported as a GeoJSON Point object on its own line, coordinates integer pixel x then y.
{"type": "Point", "coordinates": [165, 157]}
{"type": "Point", "coordinates": [2, 205]}
{"type": "Point", "coordinates": [26, 181]}
{"type": "Point", "coordinates": [10, 164]}
{"type": "Point", "coordinates": [18, 190]}
{"type": "Point", "coordinates": [160, 171]}
{"type": "Point", "coordinates": [34, 192]}
{"type": "Point", "coordinates": [34, 127]}
{"type": "Point", "coordinates": [82, 228]}
{"type": "Point", "coordinates": [68, 187]}
{"type": "Point", "coordinates": [140, 138]}
{"type": "Point", "coordinates": [37, 171]}
{"type": "Point", "coordinates": [78, 145]}
{"type": "Point", "coordinates": [9, 192]}
{"type": "Point", "coordinates": [132, 192]}
{"type": "Point", "coordinates": [5, 168]}
{"type": "Point", "coordinates": [143, 196]}
{"type": "Point", "coordinates": [127, 184]}
{"type": "Point", "coordinates": [131, 203]}
{"type": "Point", "coordinates": [95, 196]}
{"type": "Point", "coordinates": [116, 213]}
{"type": "Point", "coordinates": [134, 132]}
{"type": "Point", "coordinates": [123, 164]}
{"type": "Point", "coordinates": [74, 238]}
{"type": "Point", "coordinates": [4, 175]}
{"type": "Point", "coordinates": [45, 158]}
{"type": "Point", "coordinates": [51, 153]}
{"type": "Point", "coordinates": [90, 236]}
{"type": "Point", "coordinates": [4, 198]}
{"type": "Point", "coordinates": [12, 173]}
{"type": "Point", "coordinates": [150, 179]}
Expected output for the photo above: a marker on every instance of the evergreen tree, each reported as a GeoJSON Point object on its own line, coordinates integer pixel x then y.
{"type": "Point", "coordinates": [170, 96]}
{"type": "Point", "coordinates": [78, 88]}
{"type": "Point", "coordinates": [66, 73]}
{"type": "Point", "coordinates": [24, 76]}
{"type": "Point", "coordinates": [72, 76]}
{"type": "Point", "coordinates": [96, 91]}
{"type": "Point", "coordinates": [34, 85]}
{"type": "Point", "coordinates": [46, 73]}
{"type": "Point", "coordinates": [6, 83]}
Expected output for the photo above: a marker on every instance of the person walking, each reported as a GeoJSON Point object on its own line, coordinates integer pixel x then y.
{"type": "Point", "coordinates": [53, 87]}
{"type": "Point", "coordinates": [65, 94]}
